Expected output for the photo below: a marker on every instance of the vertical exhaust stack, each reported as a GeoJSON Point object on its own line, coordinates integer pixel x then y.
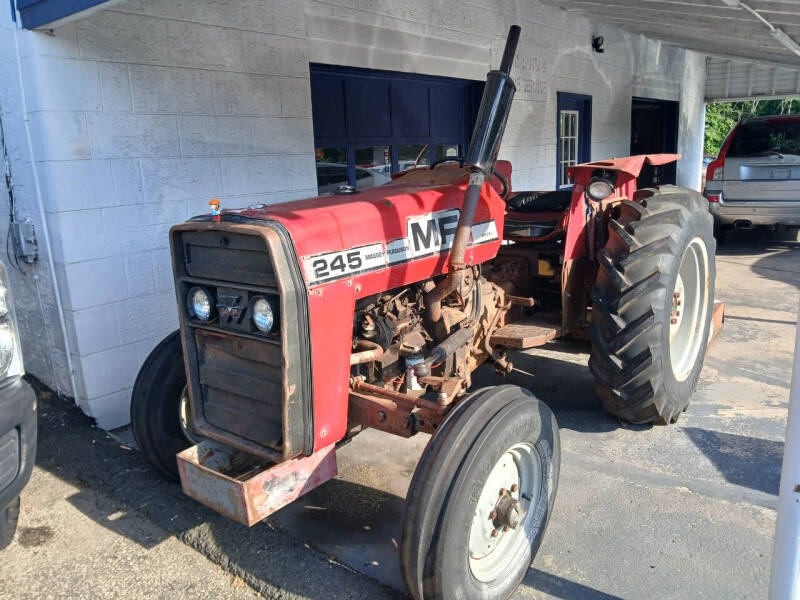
{"type": "Point", "coordinates": [493, 112]}
{"type": "Point", "coordinates": [481, 158]}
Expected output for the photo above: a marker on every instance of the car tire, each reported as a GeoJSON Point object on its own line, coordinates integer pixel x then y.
{"type": "Point", "coordinates": [657, 264]}
{"type": "Point", "coordinates": [452, 489]}
{"type": "Point", "coordinates": [156, 406]}
{"type": "Point", "coordinates": [8, 523]}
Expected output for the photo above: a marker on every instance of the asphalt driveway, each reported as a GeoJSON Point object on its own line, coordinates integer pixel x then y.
{"type": "Point", "coordinates": [686, 511]}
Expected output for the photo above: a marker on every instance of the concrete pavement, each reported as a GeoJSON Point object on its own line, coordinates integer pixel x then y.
{"type": "Point", "coordinates": [643, 512]}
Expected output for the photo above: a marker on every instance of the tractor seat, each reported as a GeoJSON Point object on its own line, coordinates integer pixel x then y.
{"type": "Point", "coordinates": [530, 226]}
{"type": "Point", "coordinates": [534, 202]}
{"type": "Point", "coordinates": [535, 215]}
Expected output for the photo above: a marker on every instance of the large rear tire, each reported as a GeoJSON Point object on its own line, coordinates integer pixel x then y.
{"type": "Point", "coordinates": [481, 497]}
{"type": "Point", "coordinates": [159, 406]}
{"type": "Point", "coordinates": [652, 305]}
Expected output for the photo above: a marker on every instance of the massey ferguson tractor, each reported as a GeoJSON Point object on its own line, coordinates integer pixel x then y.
{"type": "Point", "coordinates": [304, 323]}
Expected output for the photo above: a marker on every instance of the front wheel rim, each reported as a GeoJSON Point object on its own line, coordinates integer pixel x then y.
{"type": "Point", "coordinates": [492, 547]}
{"type": "Point", "coordinates": [183, 418]}
{"type": "Point", "coordinates": [689, 309]}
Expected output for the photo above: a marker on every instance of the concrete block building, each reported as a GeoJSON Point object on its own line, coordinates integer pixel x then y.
{"type": "Point", "coordinates": [122, 118]}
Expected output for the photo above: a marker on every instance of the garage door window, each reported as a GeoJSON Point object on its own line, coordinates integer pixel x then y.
{"type": "Point", "coordinates": [373, 166]}
{"type": "Point", "coordinates": [413, 155]}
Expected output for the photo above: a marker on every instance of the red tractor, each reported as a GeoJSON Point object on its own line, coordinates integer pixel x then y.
{"type": "Point", "coordinates": [303, 323]}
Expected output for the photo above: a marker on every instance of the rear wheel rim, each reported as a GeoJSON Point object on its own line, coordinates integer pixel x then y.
{"type": "Point", "coordinates": [519, 473]}
{"type": "Point", "coordinates": [689, 309]}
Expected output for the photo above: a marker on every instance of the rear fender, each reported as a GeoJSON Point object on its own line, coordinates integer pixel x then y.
{"type": "Point", "coordinates": [579, 270]}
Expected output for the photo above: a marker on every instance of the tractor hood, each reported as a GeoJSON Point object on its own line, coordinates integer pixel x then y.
{"type": "Point", "coordinates": [340, 236]}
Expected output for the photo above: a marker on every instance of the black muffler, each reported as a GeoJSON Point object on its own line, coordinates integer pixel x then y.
{"type": "Point", "coordinates": [480, 159]}
{"type": "Point", "coordinates": [493, 112]}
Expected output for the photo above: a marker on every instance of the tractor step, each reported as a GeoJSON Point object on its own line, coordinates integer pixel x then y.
{"type": "Point", "coordinates": [529, 332]}
{"type": "Point", "coordinates": [243, 488]}
{"type": "Point", "coordinates": [717, 321]}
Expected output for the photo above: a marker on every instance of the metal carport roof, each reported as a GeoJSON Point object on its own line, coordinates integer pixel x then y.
{"type": "Point", "coordinates": [734, 80]}
{"type": "Point", "coordinates": [753, 46]}
{"type": "Point", "coordinates": [723, 28]}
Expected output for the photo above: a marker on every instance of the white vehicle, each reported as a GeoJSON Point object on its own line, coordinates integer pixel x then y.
{"type": "Point", "coordinates": [331, 176]}
{"type": "Point", "coordinates": [755, 180]}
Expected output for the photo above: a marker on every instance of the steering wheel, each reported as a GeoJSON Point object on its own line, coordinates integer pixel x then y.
{"type": "Point", "coordinates": [461, 160]}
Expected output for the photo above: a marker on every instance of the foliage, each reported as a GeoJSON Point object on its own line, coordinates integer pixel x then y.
{"type": "Point", "coordinates": [722, 116]}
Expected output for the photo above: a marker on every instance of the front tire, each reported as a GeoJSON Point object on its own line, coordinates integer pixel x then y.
{"type": "Point", "coordinates": [652, 305]}
{"type": "Point", "coordinates": [498, 439]}
{"type": "Point", "coordinates": [8, 523]}
{"type": "Point", "coordinates": [158, 407]}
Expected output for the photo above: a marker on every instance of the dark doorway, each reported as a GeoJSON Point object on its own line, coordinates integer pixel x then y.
{"type": "Point", "coordinates": [654, 129]}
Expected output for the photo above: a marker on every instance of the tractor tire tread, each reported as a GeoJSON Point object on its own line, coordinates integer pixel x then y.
{"type": "Point", "coordinates": [628, 358]}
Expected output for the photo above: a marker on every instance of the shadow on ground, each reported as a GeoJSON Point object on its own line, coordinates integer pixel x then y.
{"type": "Point", "coordinates": [742, 460]}
{"type": "Point", "coordinates": [779, 253]}
{"type": "Point", "coordinates": [754, 242]}
{"type": "Point", "coordinates": [563, 588]}
{"type": "Point", "coordinates": [117, 488]}
{"type": "Point", "coordinates": [558, 374]}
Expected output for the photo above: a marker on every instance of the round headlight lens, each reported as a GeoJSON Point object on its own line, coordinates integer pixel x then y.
{"type": "Point", "coordinates": [6, 347]}
{"type": "Point", "coordinates": [3, 305]}
{"type": "Point", "coordinates": [600, 189]}
{"type": "Point", "coordinates": [200, 304]}
{"type": "Point", "coordinates": [262, 315]}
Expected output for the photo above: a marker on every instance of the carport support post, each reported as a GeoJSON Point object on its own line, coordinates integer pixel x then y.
{"type": "Point", "coordinates": [785, 578]}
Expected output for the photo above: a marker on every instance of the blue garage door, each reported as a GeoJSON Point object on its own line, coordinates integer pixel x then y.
{"type": "Point", "coordinates": [369, 124]}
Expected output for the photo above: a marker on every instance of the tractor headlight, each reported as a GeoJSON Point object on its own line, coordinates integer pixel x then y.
{"type": "Point", "coordinates": [263, 314]}
{"type": "Point", "coordinates": [10, 354]}
{"type": "Point", "coordinates": [7, 346]}
{"type": "Point", "coordinates": [3, 303]}
{"type": "Point", "coordinates": [200, 304]}
{"type": "Point", "coordinates": [599, 189]}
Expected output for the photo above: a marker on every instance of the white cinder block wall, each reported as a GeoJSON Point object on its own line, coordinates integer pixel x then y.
{"type": "Point", "coordinates": [33, 289]}
{"type": "Point", "coordinates": [140, 113]}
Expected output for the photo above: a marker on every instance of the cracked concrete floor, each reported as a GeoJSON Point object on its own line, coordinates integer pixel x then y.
{"type": "Point", "coordinates": [643, 512]}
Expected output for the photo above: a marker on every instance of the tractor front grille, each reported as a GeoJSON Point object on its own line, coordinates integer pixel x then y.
{"type": "Point", "coordinates": [241, 384]}
{"type": "Point", "coordinates": [248, 389]}
{"type": "Point", "coordinates": [224, 257]}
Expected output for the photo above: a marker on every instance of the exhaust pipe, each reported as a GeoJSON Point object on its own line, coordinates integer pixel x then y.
{"type": "Point", "coordinates": [743, 224]}
{"type": "Point", "coordinates": [481, 158]}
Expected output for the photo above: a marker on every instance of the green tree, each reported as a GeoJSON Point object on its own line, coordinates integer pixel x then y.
{"type": "Point", "coordinates": [722, 116]}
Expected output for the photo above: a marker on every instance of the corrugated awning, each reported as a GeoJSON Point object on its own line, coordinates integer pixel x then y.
{"type": "Point", "coordinates": [712, 27]}
{"type": "Point", "coordinates": [734, 80]}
